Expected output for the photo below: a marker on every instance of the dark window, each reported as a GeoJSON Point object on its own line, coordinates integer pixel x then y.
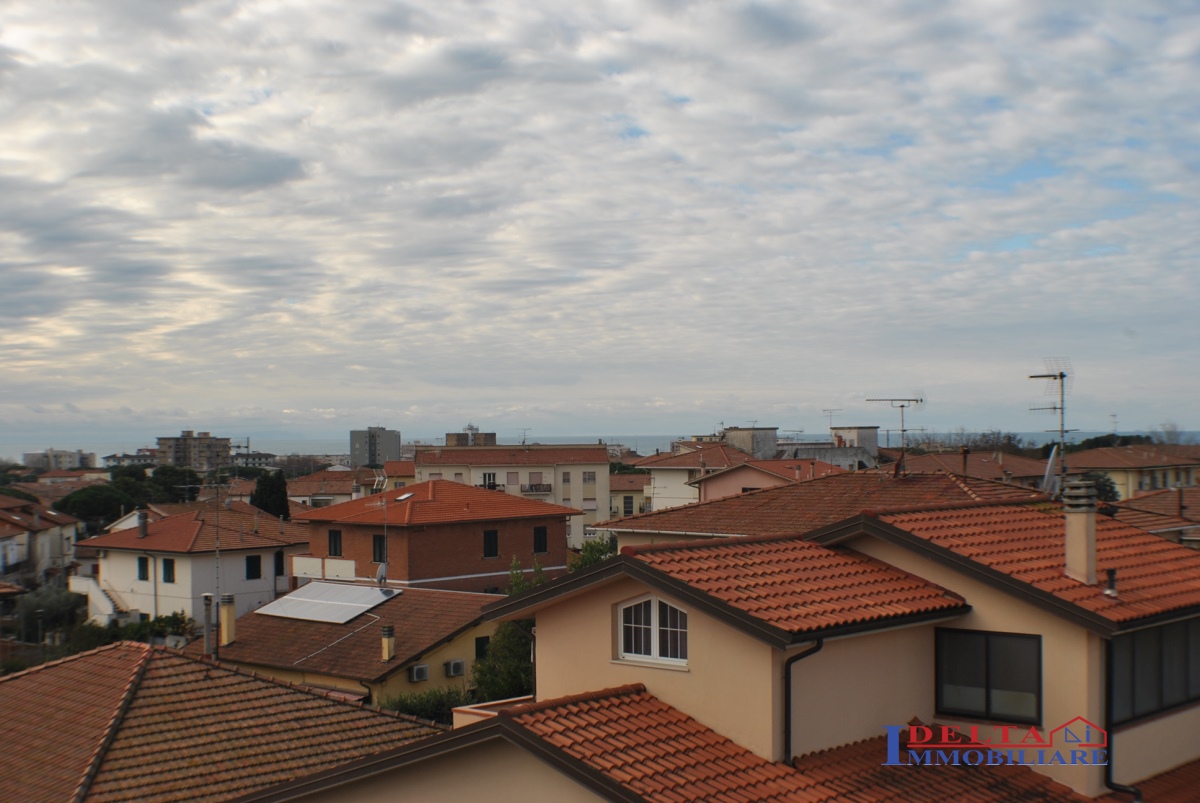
{"type": "Point", "coordinates": [335, 544]}
{"type": "Point", "coordinates": [628, 506]}
{"type": "Point", "coordinates": [379, 548]}
{"type": "Point", "coordinates": [481, 646]}
{"type": "Point", "coordinates": [540, 540]}
{"type": "Point", "coordinates": [168, 565]}
{"type": "Point", "coordinates": [280, 571]}
{"type": "Point", "coordinates": [989, 675]}
{"type": "Point", "coordinates": [491, 544]}
{"type": "Point", "coordinates": [1155, 669]}
{"type": "Point", "coordinates": [253, 567]}
{"type": "Point", "coordinates": [143, 568]}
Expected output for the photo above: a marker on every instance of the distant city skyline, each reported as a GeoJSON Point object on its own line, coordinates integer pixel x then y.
{"type": "Point", "coordinates": [294, 220]}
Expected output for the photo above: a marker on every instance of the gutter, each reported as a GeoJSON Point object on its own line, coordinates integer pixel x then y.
{"type": "Point", "coordinates": [1108, 698]}
{"type": "Point", "coordinates": [787, 696]}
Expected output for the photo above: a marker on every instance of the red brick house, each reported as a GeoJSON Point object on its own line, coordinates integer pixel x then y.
{"type": "Point", "coordinates": [436, 534]}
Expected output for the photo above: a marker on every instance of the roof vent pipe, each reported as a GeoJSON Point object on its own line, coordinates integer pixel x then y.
{"type": "Point", "coordinates": [1079, 512]}
{"type": "Point", "coordinates": [389, 642]}
{"type": "Point", "coordinates": [228, 620]}
{"type": "Point", "coordinates": [1111, 591]}
{"type": "Point", "coordinates": [208, 603]}
{"type": "Point", "coordinates": [143, 524]}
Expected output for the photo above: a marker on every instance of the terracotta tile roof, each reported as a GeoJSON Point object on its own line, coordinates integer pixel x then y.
{"type": "Point", "coordinates": [855, 772]}
{"type": "Point", "coordinates": [1180, 502]}
{"type": "Point", "coordinates": [436, 502]}
{"type": "Point", "coordinates": [333, 481]}
{"type": "Point", "coordinates": [129, 722]}
{"type": "Point", "coordinates": [805, 506]}
{"type": "Point", "coordinates": [1118, 457]}
{"type": "Point", "coordinates": [400, 468]}
{"type": "Point", "coordinates": [21, 515]}
{"type": "Point", "coordinates": [66, 473]}
{"type": "Point", "coordinates": [797, 586]}
{"type": "Point", "coordinates": [662, 754]}
{"type": "Point", "coordinates": [531, 455]}
{"type": "Point", "coordinates": [984, 465]}
{"type": "Point", "coordinates": [1025, 542]}
{"type": "Point", "coordinates": [628, 482]}
{"type": "Point", "coordinates": [1148, 521]}
{"type": "Point", "coordinates": [1179, 785]}
{"type": "Point", "coordinates": [50, 493]}
{"type": "Point", "coordinates": [239, 526]}
{"type": "Point", "coordinates": [422, 618]}
{"type": "Point", "coordinates": [714, 456]}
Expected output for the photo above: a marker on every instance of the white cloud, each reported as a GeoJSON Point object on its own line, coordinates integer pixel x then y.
{"type": "Point", "coordinates": [639, 216]}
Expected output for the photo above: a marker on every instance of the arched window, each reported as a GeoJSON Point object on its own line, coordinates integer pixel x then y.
{"type": "Point", "coordinates": [652, 629]}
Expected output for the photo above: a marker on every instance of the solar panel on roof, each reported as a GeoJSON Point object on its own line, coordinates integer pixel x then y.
{"type": "Point", "coordinates": [328, 602]}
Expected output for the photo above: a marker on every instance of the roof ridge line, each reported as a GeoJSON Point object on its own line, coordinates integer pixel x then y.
{"type": "Point", "coordinates": [717, 540]}
{"type": "Point", "coordinates": [64, 660]}
{"type": "Point", "coordinates": [974, 503]}
{"type": "Point", "coordinates": [583, 697]}
{"type": "Point", "coordinates": [110, 732]}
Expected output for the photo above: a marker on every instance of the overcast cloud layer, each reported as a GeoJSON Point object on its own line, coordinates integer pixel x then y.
{"type": "Point", "coordinates": [265, 217]}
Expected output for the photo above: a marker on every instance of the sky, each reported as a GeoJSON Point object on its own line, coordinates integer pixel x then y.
{"type": "Point", "coordinates": [293, 219]}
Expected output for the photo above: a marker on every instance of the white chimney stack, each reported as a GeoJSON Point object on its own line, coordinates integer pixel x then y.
{"type": "Point", "coordinates": [227, 615]}
{"type": "Point", "coordinates": [1079, 511]}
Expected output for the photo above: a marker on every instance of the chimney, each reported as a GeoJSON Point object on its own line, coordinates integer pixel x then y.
{"type": "Point", "coordinates": [228, 620]}
{"type": "Point", "coordinates": [389, 642]}
{"type": "Point", "coordinates": [143, 523]}
{"type": "Point", "coordinates": [1079, 512]}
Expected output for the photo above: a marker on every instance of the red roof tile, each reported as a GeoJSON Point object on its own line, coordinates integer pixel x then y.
{"type": "Point", "coordinates": [422, 618]}
{"type": "Point", "coordinates": [662, 754]}
{"type": "Point", "coordinates": [982, 465]}
{"type": "Point", "coordinates": [334, 481]}
{"type": "Point", "coordinates": [526, 455]}
{"type": "Point", "coordinates": [801, 507]}
{"type": "Point", "coordinates": [238, 526]}
{"type": "Point", "coordinates": [715, 456]}
{"type": "Point", "coordinates": [1025, 542]}
{"type": "Point", "coordinates": [436, 502]}
{"type": "Point", "coordinates": [797, 586]}
{"type": "Point", "coordinates": [400, 468]}
{"type": "Point", "coordinates": [129, 723]}
{"type": "Point", "coordinates": [1181, 502]}
{"type": "Point", "coordinates": [628, 482]}
{"type": "Point", "coordinates": [1119, 457]}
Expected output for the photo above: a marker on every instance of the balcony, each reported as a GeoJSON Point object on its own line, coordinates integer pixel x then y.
{"type": "Point", "coordinates": [537, 488]}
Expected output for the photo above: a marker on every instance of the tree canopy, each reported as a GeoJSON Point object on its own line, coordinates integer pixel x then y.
{"type": "Point", "coordinates": [507, 669]}
{"type": "Point", "coordinates": [270, 494]}
{"type": "Point", "coordinates": [98, 505]}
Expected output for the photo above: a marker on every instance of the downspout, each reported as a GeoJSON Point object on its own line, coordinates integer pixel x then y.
{"type": "Point", "coordinates": [1108, 698]}
{"type": "Point", "coordinates": [787, 696]}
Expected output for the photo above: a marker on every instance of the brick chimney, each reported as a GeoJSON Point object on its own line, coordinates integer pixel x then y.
{"type": "Point", "coordinates": [389, 642]}
{"type": "Point", "coordinates": [1079, 511]}
{"type": "Point", "coordinates": [228, 620]}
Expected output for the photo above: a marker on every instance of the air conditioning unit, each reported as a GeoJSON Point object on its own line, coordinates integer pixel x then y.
{"type": "Point", "coordinates": [418, 673]}
{"type": "Point", "coordinates": [456, 668]}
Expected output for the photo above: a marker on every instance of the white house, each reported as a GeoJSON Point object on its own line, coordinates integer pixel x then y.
{"type": "Point", "coordinates": [168, 565]}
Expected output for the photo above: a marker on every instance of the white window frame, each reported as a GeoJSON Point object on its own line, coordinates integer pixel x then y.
{"type": "Point", "coordinates": [656, 628]}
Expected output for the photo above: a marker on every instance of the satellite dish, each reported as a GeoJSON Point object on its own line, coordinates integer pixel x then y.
{"type": "Point", "coordinates": [381, 575]}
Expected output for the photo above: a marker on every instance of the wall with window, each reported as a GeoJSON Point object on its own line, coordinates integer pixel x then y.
{"type": "Point", "coordinates": [729, 681]}
{"type": "Point", "coordinates": [1072, 658]}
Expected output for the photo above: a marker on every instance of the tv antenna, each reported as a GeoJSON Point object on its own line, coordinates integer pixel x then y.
{"type": "Point", "coordinates": [901, 405]}
{"type": "Point", "coordinates": [523, 431]}
{"type": "Point", "coordinates": [381, 574]}
{"type": "Point", "coordinates": [829, 411]}
{"type": "Point", "coordinates": [1058, 376]}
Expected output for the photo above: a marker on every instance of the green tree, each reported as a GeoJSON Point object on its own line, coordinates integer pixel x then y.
{"type": "Point", "coordinates": [507, 669]}
{"type": "Point", "coordinates": [436, 704]}
{"type": "Point", "coordinates": [594, 551]}
{"type": "Point", "coordinates": [270, 494]}
{"type": "Point", "coordinates": [174, 484]}
{"type": "Point", "coordinates": [60, 610]}
{"type": "Point", "coordinates": [1106, 489]}
{"type": "Point", "coordinates": [97, 505]}
{"type": "Point", "coordinates": [625, 468]}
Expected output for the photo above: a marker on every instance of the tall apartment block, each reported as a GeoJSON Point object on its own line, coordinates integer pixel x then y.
{"type": "Point", "coordinates": [199, 451]}
{"type": "Point", "coordinates": [373, 446]}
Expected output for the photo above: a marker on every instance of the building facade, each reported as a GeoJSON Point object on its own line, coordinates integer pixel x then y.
{"type": "Point", "coordinates": [374, 446]}
{"type": "Point", "coordinates": [199, 451]}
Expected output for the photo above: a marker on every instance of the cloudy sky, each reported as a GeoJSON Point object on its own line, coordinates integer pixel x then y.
{"type": "Point", "coordinates": [282, 218]}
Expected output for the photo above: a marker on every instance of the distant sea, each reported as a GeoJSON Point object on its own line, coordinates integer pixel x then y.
{"type": "Point", "coordinates": [642, 444]}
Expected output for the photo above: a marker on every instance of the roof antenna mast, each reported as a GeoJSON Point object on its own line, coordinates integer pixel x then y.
{"type": "Point", "coordinates": [1058, 376]}
{"type": "Point", "coordinates": [901, 405]}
